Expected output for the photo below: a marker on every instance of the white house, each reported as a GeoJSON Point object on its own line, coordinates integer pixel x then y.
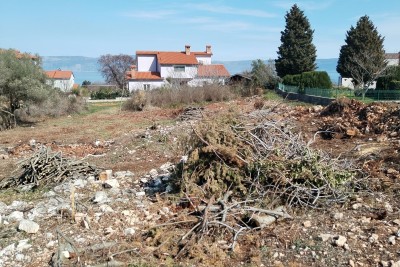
{"type": "Point", "coordinates": [63, 79]}
{"type": "Point", "coordinates": [392, 59]}
{"type": "Point", "coordinates": [155, 69]}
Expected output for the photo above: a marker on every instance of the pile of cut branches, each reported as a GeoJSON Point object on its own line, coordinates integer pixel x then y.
{"type": "Point", "coordinates": [45, 167]}
{"type": "Point", "coordinates": [261, 160]}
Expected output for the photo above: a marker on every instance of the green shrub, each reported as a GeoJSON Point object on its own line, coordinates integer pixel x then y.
{"type": "Point", "coordinates": [392, 73]}
{"type": "Point", "coordinates": [105, 93]}
{"type": "Point", "coordinates": [310, 79]}
{"type": "Point", "coordinates": [394, 85]}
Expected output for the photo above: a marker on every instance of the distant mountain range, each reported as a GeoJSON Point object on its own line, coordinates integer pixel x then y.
{"type": "Point", "coordinates": [86, 68]}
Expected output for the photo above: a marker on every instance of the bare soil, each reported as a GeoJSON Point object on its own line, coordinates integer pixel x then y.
{"type": "Point", "coordinates": [141, 141]}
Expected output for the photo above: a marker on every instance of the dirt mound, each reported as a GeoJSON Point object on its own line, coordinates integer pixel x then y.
{"type": "Point", "coordinates": [348, 118]}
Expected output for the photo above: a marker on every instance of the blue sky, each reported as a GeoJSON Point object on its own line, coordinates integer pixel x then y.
{"type": "Point", "coordinates": [236, 29]}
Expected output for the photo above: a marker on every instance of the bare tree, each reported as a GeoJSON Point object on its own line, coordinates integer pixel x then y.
{"type": "Point", "coordinates": [113, 68]}
{"type": "Point", "coordinates": [364, 71]}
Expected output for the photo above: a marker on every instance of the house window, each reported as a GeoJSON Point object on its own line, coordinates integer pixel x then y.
{"type": "Point", "coordinates": [146, 86]}
{"type": "Point", "coordinates": [179, 68]}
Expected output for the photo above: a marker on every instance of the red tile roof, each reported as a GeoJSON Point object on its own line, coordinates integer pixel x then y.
{"type": "Point", "coordinates": [59, 74]}
{"type": "Point", "coordinates": [392, 55]}
{"type": "Point", "coordinates": [167, 58]}
{"type": "Point", "coordinates": [214, 70]}
{"type": "Point", "coordinates": [145, 75]}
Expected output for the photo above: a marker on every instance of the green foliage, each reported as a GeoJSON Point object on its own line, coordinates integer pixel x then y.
{"type": "Point", "coordinates": [394, 85]}
{"type": "Point", "coordinates": [391, 74]}
{"type": "Point", "coordinates": [21, 80]}
{"type": "Point", "coordinates": [362, 57]}
{"type": "Point", "coordinates": [106, 93]}
{"type": "Point", "coordinates": [296, 54]}
{"type": "Point", "coordinates": [263, 75]}
{"type": "Point", "coordinates": [311, 79]}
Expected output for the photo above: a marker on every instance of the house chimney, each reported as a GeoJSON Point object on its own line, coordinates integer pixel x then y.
{"type": "Point", "coordinates": [187, 49]}
{"type": "Point", "coordinates": [208, 49]}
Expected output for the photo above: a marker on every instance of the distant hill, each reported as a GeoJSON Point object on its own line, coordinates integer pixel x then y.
{"type": "Point", "coordinates": [86, 68]}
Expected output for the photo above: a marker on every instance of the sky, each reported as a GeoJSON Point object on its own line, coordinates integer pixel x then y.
{"type": "Point", "coordinates": [236, 29]}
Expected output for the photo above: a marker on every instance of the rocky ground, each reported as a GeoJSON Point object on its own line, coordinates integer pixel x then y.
{"type": "Point", "coordinates": [129, 215]}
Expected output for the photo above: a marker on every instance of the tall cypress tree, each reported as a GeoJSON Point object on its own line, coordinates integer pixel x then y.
{"type": "Point", "coordinates": [362, 57]}
{"type": "Point", "coordinates": [297, 54]}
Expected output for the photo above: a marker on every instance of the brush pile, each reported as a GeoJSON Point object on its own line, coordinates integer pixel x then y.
{"type": "Point", "coordinates": [45, 167]}
{"type": "Point", "coordinates": [263, 161]}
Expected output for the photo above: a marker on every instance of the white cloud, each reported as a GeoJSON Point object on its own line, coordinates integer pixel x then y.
{"type": "Point", "coordinates": [224, 9]}
{"type": "Point", "coordinates": [154, 14]}
{"type": "Point", "coordinates": [304, 5]}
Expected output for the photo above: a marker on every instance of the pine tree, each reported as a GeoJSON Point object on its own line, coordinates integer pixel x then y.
{"type": "Point", "coordinates": [362, 57]}
{"type": "Point", "coordinates": [297, 54]}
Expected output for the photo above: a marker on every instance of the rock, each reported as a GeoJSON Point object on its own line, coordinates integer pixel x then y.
{"type": "Point", "coordinates": [51, 244]}
{"type": "Point", "coordinates": [109, 230]}
{"type": "Point", "coordinates": [392, 240]}
{"type": "Point", "coordinates": [129, 231]}
{"type": "Point", "coordinates": [388, 207]}
{"type": "Point", "coordinates": [325, 237]}
{"type": "Point", "coordinates": [18, 205]}
{"type": "Point", "coordinates": [373, 238]}
{"type": "Point", "coordinates": [167, 167]}
{"type": "Point", "coordinates": [23, 245]}
{"type": "Point", "coordinates": [106, 208]}
{"type": "Point", "coordinates": [15, 216]}
{"type": "Point", "coordinates": [4, 156]}
{"type": "Point", "coordinates": [153, 173]}
{"type": "Point", "coordinates": [381, 138]}
{"type": "Point", "coordinates": [3, 207]}
{"type": "Point", "coordinates": [307, 224]}
{"type": "Point", "coordinates": [7, 251]}
{"type": "Point", "coordinates": [394, 134]}
{"type": "Point", "coordinates": [80, 183]}
{"type": "Point", "coordinates": [356, 206]}
{"type": "Point", "coordinates": [28, 226]}
{"type": "Point", "coordinates": [19, 257]}
{"type": "Point", "coordinates": [112, 183]}
{"type": "Point", "coordinates": [397, 221]}
{"type": "Point", "coordinates": [140, 194]}
{"type": "Point", "coordinates": [396, 264]}
{"type": "Point", "coordinates": [338, 216]}
{"type": "Point", "coordinates": [339, 240]}
{"type": "Point", "coordinates": [391, 171]}
{"type": "Point", "coordinates": [100, 197]}
{"type": "Point", "coordinates": [32, 142]}
{"type": "Point", "coordinates": [65, 254]}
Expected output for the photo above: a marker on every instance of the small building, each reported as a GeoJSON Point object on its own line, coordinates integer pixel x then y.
{"type": "Point", "coordinates": [62, 79]}
{"type": "Point", "coordinates": [392, 59]}
{"type": "Point", "coordinates": [155, 69]}
{"type": "Point", "coordinates": [240, 79]}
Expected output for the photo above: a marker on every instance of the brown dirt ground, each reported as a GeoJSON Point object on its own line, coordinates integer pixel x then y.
{"type": "Point", "coordinates": [123, 144]}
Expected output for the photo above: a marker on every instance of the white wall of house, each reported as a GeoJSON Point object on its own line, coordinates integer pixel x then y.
{"type": "Point", "coordinates": [147, 63]}
{"type": "Point", "coordinates": [392, 62]}
{"type": "Point", "coordinates": [347, 82]}
{"type": "Point", "coordinates": [169, 71]}
{"type": "Point", "coordinates": [63, 84]}
{"type": "Point", "coordinates": [144, 85]}
{"type": "Point", "coordinates": [202, 81]}
{"type": "Point", "coordinates": [205, 60]}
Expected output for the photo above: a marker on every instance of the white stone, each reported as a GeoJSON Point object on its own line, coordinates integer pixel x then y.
{"type": "Point", "coordinates": [144, 180]}
{"type": "Point", "coordinates": [15, 216]}
{"type": "Point", "coordinates": [153, 173]}
{"type": "Point", "coordinates": [339, 240]}
{"type": "Point", "coordinates": [80, 183]}
{"type": "Point", "coordinates": [307, 224]}
{"type": "Point", "coordinates": [19, 257]}
{"type": "Point", "coordinates": [373, 238]}
{"type": "Point", "coordinates": [338, 216]}
{"type": "Point", "coordinates": [7, 251]}
{"type": "Point", "coordinates": [100, 197]}
{"type": "Point", "coordinates": [51, 244]}
{"type": "Point", "coordinates": [28, 226]}
{"type": "Point", "coordinates": [129, 231]}
{"type": "Point", "coordinates": [140, 194]}
{"type": "Point", "coordinates": [23, 245]}
{"type": "Point", "coordinates": [388, 207]}
{"type": "Point", "coordinates": [397, 221]}
{"type": "Point", "coordinates": [32, 142]}
{"type": "Point", "coordinates": [392, 240]}
{"type": "Point", "coordinates": [65, 254]}
{"type": "Point", "coordinates": [325, 237]}
{"type": "Point", "coordinates": [106, 208]}
{"type": "Point", "coordinates": [113, 183]}
{"type": "Point", "coordinates": [356, 206]}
